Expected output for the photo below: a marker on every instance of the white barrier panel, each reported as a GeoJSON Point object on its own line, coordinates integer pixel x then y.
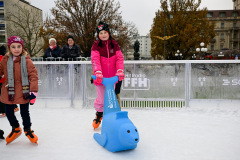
{"type": "Point", "coordinates": [147, 84]}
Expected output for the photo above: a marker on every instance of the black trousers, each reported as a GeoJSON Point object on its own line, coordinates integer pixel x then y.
{"type": "Point", "coordinates": [118, 87]}
{"type": "Point", "coordinates": [2, 108]}
{"type": "Point", "coordinates": [24, 111]}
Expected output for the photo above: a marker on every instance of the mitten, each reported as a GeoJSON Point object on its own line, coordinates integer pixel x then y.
{"type": "Point", "coordinates": [99, 76]}
{"type": "Point", "coordinates": [120, 75]}
{"type": "Point", "coordinates": [33, 97]}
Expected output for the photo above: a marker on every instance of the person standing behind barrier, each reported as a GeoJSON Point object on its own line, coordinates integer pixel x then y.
{"type": "Point", "coordinates": [19, 87]}
{"type": "Point", "coordinates": [107, 61]}
{"type": "Point", "coordinates": [53, 50]}
{"type": "Point", "coordinates": [70, 51]}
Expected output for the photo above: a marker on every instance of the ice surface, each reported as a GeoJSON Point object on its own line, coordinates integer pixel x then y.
{"type": "Point", "coordinates": [200, 132]}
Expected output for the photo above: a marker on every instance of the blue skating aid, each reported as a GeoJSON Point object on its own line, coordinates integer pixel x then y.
{"type": "Point", "coordinates": [118, 133]}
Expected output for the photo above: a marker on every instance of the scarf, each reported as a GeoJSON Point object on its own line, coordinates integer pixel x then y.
{"type": "Point", "coordinates": [52, 47]}
{"type": "Point", "coordinates": [24, 74]}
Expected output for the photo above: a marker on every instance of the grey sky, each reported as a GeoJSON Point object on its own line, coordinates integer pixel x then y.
{"type": "Point", "coordinates": [141, 12]}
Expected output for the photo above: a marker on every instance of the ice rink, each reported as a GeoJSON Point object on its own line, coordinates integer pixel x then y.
{"type": "Point", "coordinates": [200, 132]}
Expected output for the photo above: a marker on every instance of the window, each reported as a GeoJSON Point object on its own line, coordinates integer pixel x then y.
{"type": "Point", "coordinates": [212, 47]}
{"type": "Point", "coordinates": [1, 16]}
{"type": "Point", "coordinates": [1, 4]}
{"type": "Point", "coordinates": [222, 25]}
{"type": "Point", "coordinates": [2, 26]}
{"type": "Point", "coordinates": [221, 46]}
{"type": "Point", "coordinates": [235, 24]}
{"type": "Point", "coordinates": [222, 14]}
{"type": "Point", "coordinates": [235, 35]}
{"type": "Point", "coordinates": [235, 14]}
{"type": "Point", "coordinates": [222, 36]}
{"type": "Point", "coordinates": [2, 39]}
{"type": "Point", "coordinates": [209, 14]}
{"type": "Point", "coordinates": [234, 46]}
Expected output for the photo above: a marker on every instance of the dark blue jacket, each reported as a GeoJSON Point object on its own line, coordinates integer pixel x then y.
{"type": "Point", "coordinates": [52, 53]}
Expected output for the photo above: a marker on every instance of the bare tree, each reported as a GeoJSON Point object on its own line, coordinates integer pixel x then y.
{"type": "Point", "coordinates": [80, 18]}
{"type": "Point", "coordinates": [25, 22]}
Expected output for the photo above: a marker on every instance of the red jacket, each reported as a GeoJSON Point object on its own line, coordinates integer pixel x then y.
{"type": "Point", "coordinates": [107, 59]}
{"type": "Point", "coordinates": [32, 77]}
{"type": "Point", "coordinates": [2, 79]}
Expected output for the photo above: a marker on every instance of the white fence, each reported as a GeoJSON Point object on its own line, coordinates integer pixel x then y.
{"type": "Point", "coordinates": [147, 84]}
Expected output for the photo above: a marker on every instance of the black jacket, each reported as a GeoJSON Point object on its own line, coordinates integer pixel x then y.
{"type": "Point", "coordinates": [70, 53]}
{"type": "Point", "coordinates": [52, 53]}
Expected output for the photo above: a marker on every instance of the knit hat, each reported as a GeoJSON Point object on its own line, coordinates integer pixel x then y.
{"type": "Point", "coordinates": [70, 36]}
{"type": "Point", "coordinates": [15, 39]}
{"type": "Point", "coordinates": [102, 26]}
{"type": "Point", "coordinates": [52, 39]}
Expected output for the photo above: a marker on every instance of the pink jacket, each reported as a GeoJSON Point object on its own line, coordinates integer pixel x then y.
{"type": "Point", "coordinates": [106, 59]}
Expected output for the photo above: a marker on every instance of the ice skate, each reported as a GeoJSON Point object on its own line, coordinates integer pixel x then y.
{"type": "Point", "coordinates": [16, 132]}
{"type": "Point", "coordinates": [31, 136]}
{"type": "Point", "coordinates": [2, 115]}
{"type": "Point", "coordinates": [97, 120]}
{"type": "Point", "coordinates": [16, 109]}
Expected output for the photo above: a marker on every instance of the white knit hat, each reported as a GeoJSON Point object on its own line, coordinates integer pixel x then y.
{"type": "Point", "coordinates": [53, 40]}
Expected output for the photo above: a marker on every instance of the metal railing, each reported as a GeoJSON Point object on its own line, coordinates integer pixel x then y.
{"type": "Point", "coordinates": [60, 59]}
{"type": "Point", "coordinates": [147, 84]}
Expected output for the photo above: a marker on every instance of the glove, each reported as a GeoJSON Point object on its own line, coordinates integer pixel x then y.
{"type": "Point", "coordinates": [120, 75]}
{"type": "Point", "coordinates": [33, 97]}
{"type": "Point", "coordinates": [99, 77]}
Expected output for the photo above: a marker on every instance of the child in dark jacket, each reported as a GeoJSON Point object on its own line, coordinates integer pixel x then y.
{"type": "Point", "coordinates": [2, 107]}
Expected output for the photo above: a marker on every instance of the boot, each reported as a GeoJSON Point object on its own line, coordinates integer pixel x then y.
{"type": "Point", "coordinates": [31, 136]}
{"type": "Point", "coordinates": [16, 109]}
{"type": "Point", "coordinates": [2, 115]}
{"type": "Point", "coordinates": [16, 132]}
{"type": "Point", "coordinates": [97, 120]}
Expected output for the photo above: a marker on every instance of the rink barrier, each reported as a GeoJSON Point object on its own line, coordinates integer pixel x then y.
{"type": "Point", "coordinates": [77, 88]}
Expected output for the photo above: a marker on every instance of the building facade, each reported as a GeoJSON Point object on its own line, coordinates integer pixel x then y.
{"type": "Point", "coordinates": [145, 47]}
{"type": "Point", "coordinates": [7, 6]}
{"type": "Point", "coordinates": [236, 4]}
{"type": "Point", "coordinates": [227, 29]}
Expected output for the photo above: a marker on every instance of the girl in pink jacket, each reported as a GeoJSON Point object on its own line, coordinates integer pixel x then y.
{"type": "Point", "coordinates": [107, 61]}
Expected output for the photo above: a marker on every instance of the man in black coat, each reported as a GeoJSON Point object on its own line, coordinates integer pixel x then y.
{"type": "Point", "coordinates": [71, 50]}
